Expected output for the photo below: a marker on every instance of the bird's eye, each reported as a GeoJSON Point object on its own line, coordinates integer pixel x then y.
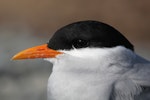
{"type": "Point", "coordinates": [80, 43]}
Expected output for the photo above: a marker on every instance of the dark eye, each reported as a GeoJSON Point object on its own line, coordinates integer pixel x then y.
{"type": "Point", "coordinates": [80, 43]}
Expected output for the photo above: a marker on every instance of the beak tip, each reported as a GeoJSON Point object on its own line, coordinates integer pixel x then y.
{"type": "Point", "coordinates": [18, 56]}
{"type": "Point", "coordinates": [14, 58]}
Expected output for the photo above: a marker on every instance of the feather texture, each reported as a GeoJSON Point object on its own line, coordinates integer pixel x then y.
{"type": "Point", "coordinates": [97, 74]}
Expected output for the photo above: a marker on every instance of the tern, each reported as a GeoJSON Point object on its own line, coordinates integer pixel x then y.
{"type": "Point", "coordinates": [91, 61]}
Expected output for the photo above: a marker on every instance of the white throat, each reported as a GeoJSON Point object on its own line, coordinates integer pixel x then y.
{"type": "Point", "coordinates": [91, 74]}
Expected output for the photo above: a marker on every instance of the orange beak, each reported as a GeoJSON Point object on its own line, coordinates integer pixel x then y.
{"type": "Point", "coordinates": [41, 51]}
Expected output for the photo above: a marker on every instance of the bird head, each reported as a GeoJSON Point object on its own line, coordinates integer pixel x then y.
{"type": "Point", "coordinates": [92, 46]}
{"type": "Point", "coordinates": [78, 35]}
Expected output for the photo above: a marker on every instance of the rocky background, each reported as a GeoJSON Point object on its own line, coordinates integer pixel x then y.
{"type": "Point", "coordinates": [27, 23]}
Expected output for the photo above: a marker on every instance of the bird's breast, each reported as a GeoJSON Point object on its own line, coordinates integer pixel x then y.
{"type": "Point", "coordinates": [62, 86]}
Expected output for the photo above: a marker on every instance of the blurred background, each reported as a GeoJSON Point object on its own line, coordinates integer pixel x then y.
{"type": "Point", "coordinates": [27, 23]}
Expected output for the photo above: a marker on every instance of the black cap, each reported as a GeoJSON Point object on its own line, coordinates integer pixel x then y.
{"type": "Point", "coordinates": [88, 34]}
